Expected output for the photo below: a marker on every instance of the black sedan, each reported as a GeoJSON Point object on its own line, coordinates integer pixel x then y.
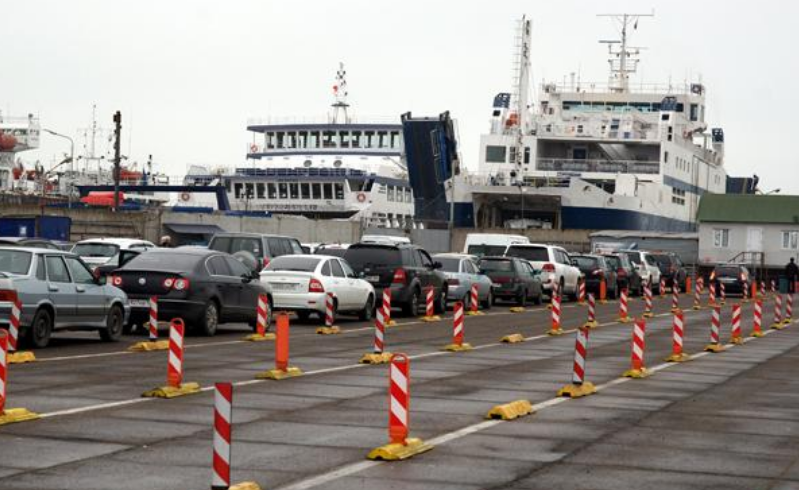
{"type": "Point", "coordinates": [512, 279]}
{"type": "Point", "coordinates": [203, 287]}
{"type": "Point", "coordinates": [733, 276]}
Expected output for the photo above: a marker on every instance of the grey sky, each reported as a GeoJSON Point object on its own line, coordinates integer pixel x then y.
{"type": "Point", "coordinates": [188, 74]}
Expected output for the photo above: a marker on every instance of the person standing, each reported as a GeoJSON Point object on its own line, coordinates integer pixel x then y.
{"type": "Point", "coordinates": [792, 274]}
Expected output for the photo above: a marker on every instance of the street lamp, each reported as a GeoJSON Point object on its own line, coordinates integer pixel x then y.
{"type": "Point", "coordinates": [71, 147]}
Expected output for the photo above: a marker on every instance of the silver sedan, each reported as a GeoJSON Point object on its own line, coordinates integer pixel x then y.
{"type": "Point", "coordinates": [57, 292]}
{"type": "Point", "coordinates": [462, 271]}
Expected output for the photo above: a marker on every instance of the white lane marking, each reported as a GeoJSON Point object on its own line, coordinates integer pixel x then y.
{"type": "Point", "coordinates": [90, 408]}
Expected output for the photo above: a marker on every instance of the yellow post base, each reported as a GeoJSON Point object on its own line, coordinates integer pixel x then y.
{"type": "Point", "coordinates": [637, 373]}
{"type": "Point", "coordinates": [675, 310]}
{"type": "Point", "coordinates": [513, 338]}
{"type": "Point", "coordinates": [148, 346]}
{"type": "Point", "coordinates": [278, 374]}
{"type": "Point", "coordinates": [697, 307]}
{"type": "Point", "coordinates": [20, 357]}
{"type": "Point", "coordinates": [397, 452]}
{"type": "Point", "coordinates": [737, 340]}
{"type": "Point", "coordinates": [246, 485]}
{"type": "Point", "coordinates": [552, 332]}
{"type": "Point", "coordinates": [745, 301]}
{"type": "Point", "coordinates": [757, 334]}
{"type": "Point", "coordinates": [464, 347]}
{"type": "Point", "coordinates": [512, 410]}
{"type": "Point", "coordinates": [474, 313]}
{"type": "Point", "coordinates": [723, 302]}
{"type": "Point", "coordinates": [603, 301]}
{"type": "Point", "coordinates": [625, 319]}
{"type": "Point", "coordinates": [577, 391]}
{"type": "Point", "coordinates": [172, 392]}
{"type": "Point", "coordinates": [777, 326]}
{"type": "Point", "coordinates": [254, 337]}
{"type": "Point", "coordinates": [328, 330]}
{"type": "Point", "coordinates": [383, 358]}
{"type": "Point", "coordinates": [434, 318]}
{"type": "Point", "coordinates": [787, 321]}
{"type": "Point", "coordinates": [592, 324]}
{"type": "Point", "coordinates": [390, 323]}
{"type": "Point", "coordinates": [681, 357]}
{"type": "Point", "coordinates": [14, 415]}
{"type": "Point", "coordinates": [716, 348]}
{"type": "Point", "coordinates": [648, 314]}
{"type": "Point", "coordinates": [549, 306]}
{"type": "Point", "coordinates": [517, 309]}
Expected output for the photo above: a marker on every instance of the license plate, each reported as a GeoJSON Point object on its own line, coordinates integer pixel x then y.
{"type": "Point", "coordinates": [284, 286]}
{"type": "Point", "coordinates": [139, 303]}
{"type": "Point", "coordinates": [372, 278]}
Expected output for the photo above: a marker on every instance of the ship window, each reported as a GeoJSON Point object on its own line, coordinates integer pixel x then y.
{"type": "Point", "coordinates": [345, 139]}
{"type": "Point", "coordinates": [270, 140]}
{"type": "Point", "coordinates": [280, 138]}
{"type": "Point", "coordinates": [250, 189]}
{"type": "Point", "coordinates": [271, 190]}
{"type": "Point", "coordinates": [328, 190]}
{"type": "Point", "coordinates": [339, 191]}
{"type": "Point", "coordinates": [395, 139]}
{"type": "Point", "coordinates": [303, 139]}
{"type": "Point", "coordinates": [305, 190]}
{"type": "Point", "coordinates": [369, 137]}
{"type": "Point", "coordinates": [294, 190]}
{"type": "Point", "coordinates": [665, 157]}
{"type": "Point", "coordinates": [314, 140]}
{"type": "Point", "coordinates": [390, 195]}
{"type": "Point", "coordinates": [259, 188]}
{"type": "Point", "coordinates": [680, 107]}
{"type": "Point", "coordinates": [526, 154]}
{"type": "Point", "coordinates": [495, 154]}
{"type": "Point", "coordinates": [316, 190]}
{"type": "Point", "coordinates": [694, 112]}
{"type": "Point", "coordinates": [328, 139]}
{"type": "Point", "coordinates": [408, 195]}
{"type": "Point", "coordinates": [238, 186]}
{"type": "Point", "coordinates": [227, 186]}
{"type": "Point", "coordinates": [283, 190]}
{"type": "Point", "coordinates": [790, 240]}
{"type": "Point", "coordinates": [382, 139]}
{"type": "Point", "coordinates": [291, 140]}
{"type": "Point", "coordinates": [356, 139]}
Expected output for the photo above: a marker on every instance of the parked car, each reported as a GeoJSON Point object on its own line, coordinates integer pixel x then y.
{"type": "Point", "coordinates": [117, 261]}
{"type": "Point", "coordinates": [255, 246]}
{"type": "Point", "coordinates": [733, 276]}
{"type": "Point", "coordinates": [386, 239]}
{"type": "Point", "coordinates": [406, 269]}
{"type": "Point", "coordinates": [335, 249]}
{"type": "Point", "coordinates": [513, 279]}
{"type": "Point", "coordinates": [647, 267]}
{"type": "Point", "coordinates": [29, 242]}
{"type": "Point", "coordinates": [301, 283]}
{"type": "Point", "coordinates": [58, 292]}
{"type": "Point", "coordinates": [462, 271]}
{"type": "Point", "coordinates": [627, 275]}
{"type": "Point", "coordinates": [99, 251]}
{"type": "Point", "coordinates": [595, 268]}
{"type": "Point", "coordinates": [482, 244]}
{"type": "Point", "coordinates": [554, 263]}
{"type": "Point", "coordinates": [203, 287]}
{"type": "Point", "coordinates": [671, 268]}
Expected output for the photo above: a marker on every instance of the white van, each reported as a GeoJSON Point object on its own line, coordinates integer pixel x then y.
{"type": "Point", "coordinates": [483, 244]}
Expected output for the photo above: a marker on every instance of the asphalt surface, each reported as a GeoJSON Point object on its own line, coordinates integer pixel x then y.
{"type": "Point", "coordinates": [728, 420]}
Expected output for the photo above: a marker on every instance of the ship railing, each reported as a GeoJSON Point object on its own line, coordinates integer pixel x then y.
{"type": "Point", "coordinates": [19, 120]}
{"type": "Point", "coordinates": [633, 88]}
{"type": "Point", "coordinates": [598, 166]}
{"type": "Point", "coordinates": [332, 149]}
{"type": "Point", "coordinates": [321, 119]}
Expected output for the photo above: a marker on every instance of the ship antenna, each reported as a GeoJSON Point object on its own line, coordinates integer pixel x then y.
{"type": "Point", "coordinates": [623, 61]}
{"type": "Point", "coordinates": [522, 88]}
{"type": "Point", "coordinates": [340, 93]}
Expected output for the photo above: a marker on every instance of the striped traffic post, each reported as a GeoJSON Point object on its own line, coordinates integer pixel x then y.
{"type": "Point", "coordinates": [9, 415]}
{"type": "Point", "coordinates": [556, 309]}
{"type": "Point", "coordinates": [282, 369]}
{"type": "Point", "coordinates": [697, 295]}
{"type": "Point", "coordinates": [152, 343]}
{"type": "Point", "coordinates": [762, 289]}
{"type": "Point", "coordinates": [400, 446]}
{"type": "Point", "coordinates": [261, 321]}
{"type": "Point", "coordinates": [736, 336]}
{"type": "Point", "coordinates": [152, 324]}
{"type": "Point", "coordinates": [174, 375]}
{"type": "Point", "coordinates": [637, 350]}
{"type": "Point", "coordinates": [677, 336]}
{"type": "Point", "coordinates": [16, 356]}
{"type": "Point", "coordinates": [675, 297]}
{"type": "Point", "coordinates": [581, 294]}
{"type": "Point", "coordinates": [223, 430]}
{"type": "Point", "coordinates": [715, 325]}
{"type": "Point", "coordinates": [757, 320]}
{"type": "Point", "coordinates": [662, 288]}
{"type": "Point", "coordinates": [777, 313]}
{"type": "Point", "coordinates": [330, 305]}
{"type": "Point", "coordinates": [458, 345]}
{"type": "Point", "coordinates": [623, 311]}
{"type": "Point", "coordinates": [474, 301]}
{"type": "Point", "coordinates": [387, 321]}
{"type": "Point", "coordinates": [648, 306]}
{"type": "Point", "coordinates": [787, 319]}
{"type": "Point", "coordinates": [591, 323]}
{"type": "Point", "coordinates": [430, 311]}
{"type": "Point", "coordinates": [773, 287]}
{"type": "Point", "coordinates": [378, 354]}
{"type": "Point", "coordinates": [579, 386]}
{"type": "Point", "coordinates": [555, 293]}
{"type": "Point", "coordinates": [712, 292]}
{"type": "Point", "coordinates": [723, 293]}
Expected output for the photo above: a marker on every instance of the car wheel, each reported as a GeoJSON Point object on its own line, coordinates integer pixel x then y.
{"type": "Point", "coordinates": [441, 305]}
{"type": "Point", "coordinates": [210, 319]}
{"type": "Point", "coordinates": [467, 301]}
{"type": "Point", "coordinates": [412, 307]}
{"type": "Point", "coordinates": [539, 298]}
{"type": "Point", "coordinates": [489, 302]}
{"type": "Point", "coordinates": [113, 325]}
{"type": "Point", "coordinates": [365, 314]}
{"type": "Point", "coordinates": [521, 300]}
{"type": "Point", "coordinates": [41, 329]}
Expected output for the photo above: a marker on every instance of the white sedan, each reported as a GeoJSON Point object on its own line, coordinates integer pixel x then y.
{"type": "Point", "coordinates": [300, 283]}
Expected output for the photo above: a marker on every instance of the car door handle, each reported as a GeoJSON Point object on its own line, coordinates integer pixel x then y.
{"type": "Point", "coordinates": [52, 288]}
{"type": "Point", "coordinates": [80, 289]}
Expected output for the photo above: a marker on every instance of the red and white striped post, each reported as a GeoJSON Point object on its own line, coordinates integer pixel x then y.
{"type": "Point", "coordinates": [757, 321]}
{"type": "Point", "coordinates": [723, 293]}
{"type": "Point", "coordinates": [715, 326]}
{"type": "Point", "coordinates": [581, 294]}
{"type": "Point", "coordinates": [380, 332]}
{"type": "Point", "coordinates": [662, 288]}
{"type": "Point", "coordinates": [262, 315]}
{"type": "Point", "coordinates": [745, 292]}
{"type": "Point", "coordinates": [13, 325]}
{"type": "Point", "coordinates": [152, 324]}
{"type": "Point", "coordinates": [579, 386]}
{"type": "Point", "coordinates": [777, 312]}
{"type": "Point", "coordinates": [637, 366]}
{"type": "Point", "coordinates": [9, 415]}
{"type": "Point", "coordinates": [712, 291]}
{"type": "Point", "coordinates": [223, 431]}
{"type": "Point", "coordinates": [697, 295]}
{"type": "Point", "coordinates": [648, 304]}
{"type": "Point", "coordinates": [556, 328]}
{"type": "Point", "coordinates": [624, 316]}
{"type": "Point", "coordinates": [675, 296]}
{"type": "Point", "coordinates": [591, 323]}
{"type": "Point", "coordinates": [387, 321]}
{"type": "Point", "coordinates": [678, 333]}
{"type": "Point", "coordinates": [329, 309]}
{"type": "Point", "coordinates": [430, 311]}
{"type": "Point", "coordinates": [555, 293]}
{"type": "Point", "coordinates": [762, 289]}
{"type": "Point", "coordinates": [174, 373]}
{"type": "Point", "coordinates": [474, 300]}
{"type": "Point", "coordinates": [458, 345]}
{"type": "Point", "coordinates": [773, 287]}
{"type": "Point", "coordinates": [400, 393]}
{"type": "Point", "coordinates": [787, 319]}
{"type": "Point", "coordinates": [736, 336]}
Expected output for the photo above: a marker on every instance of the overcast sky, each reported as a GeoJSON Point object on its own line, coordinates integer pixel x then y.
{"type": "Point", "coordinates": [187, 74]}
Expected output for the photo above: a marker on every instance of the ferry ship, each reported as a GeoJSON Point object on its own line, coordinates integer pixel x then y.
{"type": "Point", "coordinates": [615, 155]}
{"type": "Point", "coordinates": [337, 168]}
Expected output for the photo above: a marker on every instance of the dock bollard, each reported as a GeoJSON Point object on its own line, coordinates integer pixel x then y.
{"type": "Point", "coordinates": [678, 333]}
{"type": "Point", "coordinates": [174, 375]}
{"type": "Point", "coordinates": [458, 345]}
{"type": "Point", "coordinates": [329, 328]}
{"type": "Point", "coordinates": [579, 387]}
{"type": "Point", "coordinates": [715, 325]}
{"type": "Point", "coordinates": [637, 351]}
{"type": "Point", "coordinates": [282, 369]}
{"type": "Point", "coordinates": [15, 356]}
{"type": "Point", "coordinates": [400, 446]}
{"type": "Point", "coordinates": [261, 321]}
{"type": "Point", "coordinates": [430, 311]}
{"type": "Point", "coordinates": [152, 343]}
{"type": "Point", "coordinates": [9, 415]}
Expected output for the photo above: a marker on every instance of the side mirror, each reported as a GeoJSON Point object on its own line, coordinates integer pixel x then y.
{"type": "Point", "coordinates": [246, 278]}
{"type": "Point", "coordinates": [437, 265]}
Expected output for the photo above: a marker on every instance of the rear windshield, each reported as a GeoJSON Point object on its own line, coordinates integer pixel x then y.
{"type": "Point", "coordinates": [171, 261]}
{"type": "Point", "coordinates": [448, 264]}
{"type": "Point", "coordinates": [728, 271]}
{"type": "Point", "coordinates": [535, 254]}
{"type": "Point", "coordinates": [232, 245]}
{"type": "Point", "coordinates": [483, 250]}
{"type": "Point", "coordinates": [662, 259]}
{"type": "Point", "coordinates": [298, 263]}
{"type": "Point", "coordinates": [613, 262]}
{"type": "Point", "coordinates": [96, 249]}
{"type": "Point", "coordinates": [586, 262]}
{"type": "Point", "coordinates": [635, 257]}
{"type": "Point", "coordinates": [496, 265]}
{"type": "Point", "coordinates": [14, 262]}
{"type": "Point", "coordinates": [334, 251]}
{"type": "Point", "coordinates": [361, 257]}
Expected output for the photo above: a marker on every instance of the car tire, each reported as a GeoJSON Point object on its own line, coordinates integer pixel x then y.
{"type": "Point", "coordinates": [41, 329]}
{"type": "Point", "coordinates": [411, 308]}
{"type": "Point", "coordinates": [440, 307]}
{"type": "Point", "coordinates": [489, 302]}
{"type": "Point", "coordinates": [521, 299]}
{"type": "Point", "coordinates": [365, 314]}
{"type": "Point", "coordinates": [209, 320]}
{"type": "Point", "coordinates": [539, 298]}
{"type": "Point", "coordinates": [113, 325]}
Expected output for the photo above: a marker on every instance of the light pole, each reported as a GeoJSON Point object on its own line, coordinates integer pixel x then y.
{"type": "Point", "coordinates": [521, 196]}
{"type": "Point", "coordinates": [71, 147]}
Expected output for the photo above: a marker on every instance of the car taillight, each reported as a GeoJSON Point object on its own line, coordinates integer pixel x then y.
{"type": "Point", "coordinates": [9, 295]}
{"type": "Point", "coordinates": [116, 281]}
{"type": "Point", "coordinates": [315, 286]}
{"type": "Point", "coordinates": [181, 284]}
{"type": "Point", "coordinates": [168, 283]}
{"type": "Point", "coordinates": [399, 276]}
{"type": "Point", "coordinates": [548, 268]}
{"type": "Point", "coordinates": [453, 282]}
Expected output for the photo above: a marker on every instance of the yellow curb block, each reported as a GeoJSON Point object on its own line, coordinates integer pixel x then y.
{"type": "Point", "coordinates": [648, 315]}
{"type": "Point", "coordinates": [549, 306]}
{"type": "Point", "coordinates": [20, 357]}
{"type": "Point", "coordinates": [715, 348]}
{"type": "Point", "coordinates": [697, 307]}
{"type": "Point", "coordinates": [624, 320]}
{"type": "Point", "coordinates": [434, 318]}
{"type": "Point", "coordinates": [383, 358]}
{"type": "Point", "coordinates": [577, 391]}
{"type": "Point", "coordinates": [278, 374]}
{"type": "Point", "coordinates": [513, 338]}
{"type": "Point", "coordinates": [14, 415]}
{"type": "Point", "coordinates": [328, 330]}
{"type": "Point", "coordinates": [397, 452]}
{"type": "Point", "coordinates": [148, 346]}
{"type": "Point", "coordinates": [777, 326]}
{"type": "Point", "coordinates": [390, 323]}
{"type": "Point", "coordinates": [254, 337]}
{"type": "Point", "coordinates": [246, 485]}
{"type": "Point", "coordinates": [678, 358]}
{"type": "Point", "coordinates": [737, 341]}
{"type": "Point", "coordinates": [517, 309]}
{"type": "Point", "coordinates": [553, 332]}
{"type": "Point", "coordinates": [593, 324]}
{"type": "Point", "coordinates": [464, 347]}
{"type": "Point", "coordinates": [512, 410]}
{"type": "Point", "coordinates": [787, 321]}
{"type": "Point", "coordinates": [474, 313]}
{"type": "Point", "coordinates": [757, 334]}
{"type": "Point", "coordinates": [172, 392]}
{"type": "Point", "coordinates": [637, 373]}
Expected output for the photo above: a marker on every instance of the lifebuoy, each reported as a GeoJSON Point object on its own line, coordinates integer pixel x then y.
{"type": "Point", "coordinates": [361, 197]}
{"type": "Point", "coordinates": [185, 196]}
{"type": "Point", "coordinates": [253, 148]}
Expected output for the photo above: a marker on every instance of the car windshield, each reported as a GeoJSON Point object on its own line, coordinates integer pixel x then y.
{"type": "Point", "coordinates": [296, 263]}
{"type": "Point", "coordinates": [107, 250]}
{"type": "Point", "coordinates": [536, 254]}
{"type": "Point", "coordinates": [586, 262]}
{"type": "Point", "coordinates": [728, 271]}
{"type": "Point", "coordinates": [375, 256]}
{"type": "Point", "coordinates": [662, 259]}
{"type": "Point", "coordinates": [483, 250]}
{"type": "Point", "coordinates": [496, 265]}
{"type": "Point", "coordinates": [334, 251]}
{"type": "Point", "coordinates": [15, 262]}
{"type": "Point", "coordinates": [613, 262]}
{"type": "Point", "coordinates": [635, 257]}
{"type": "Point", "coordinates": [164, 260]}
{"type": "Point", "coordinates": [449, 264]}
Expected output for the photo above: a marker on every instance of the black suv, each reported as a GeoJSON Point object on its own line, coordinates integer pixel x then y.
{"type": "Point", "coordinates": [406, 269]}
{"type": "Point", "coordinates": [261, 248]}
{"type": "Point", "coordinates": [671, 268]}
